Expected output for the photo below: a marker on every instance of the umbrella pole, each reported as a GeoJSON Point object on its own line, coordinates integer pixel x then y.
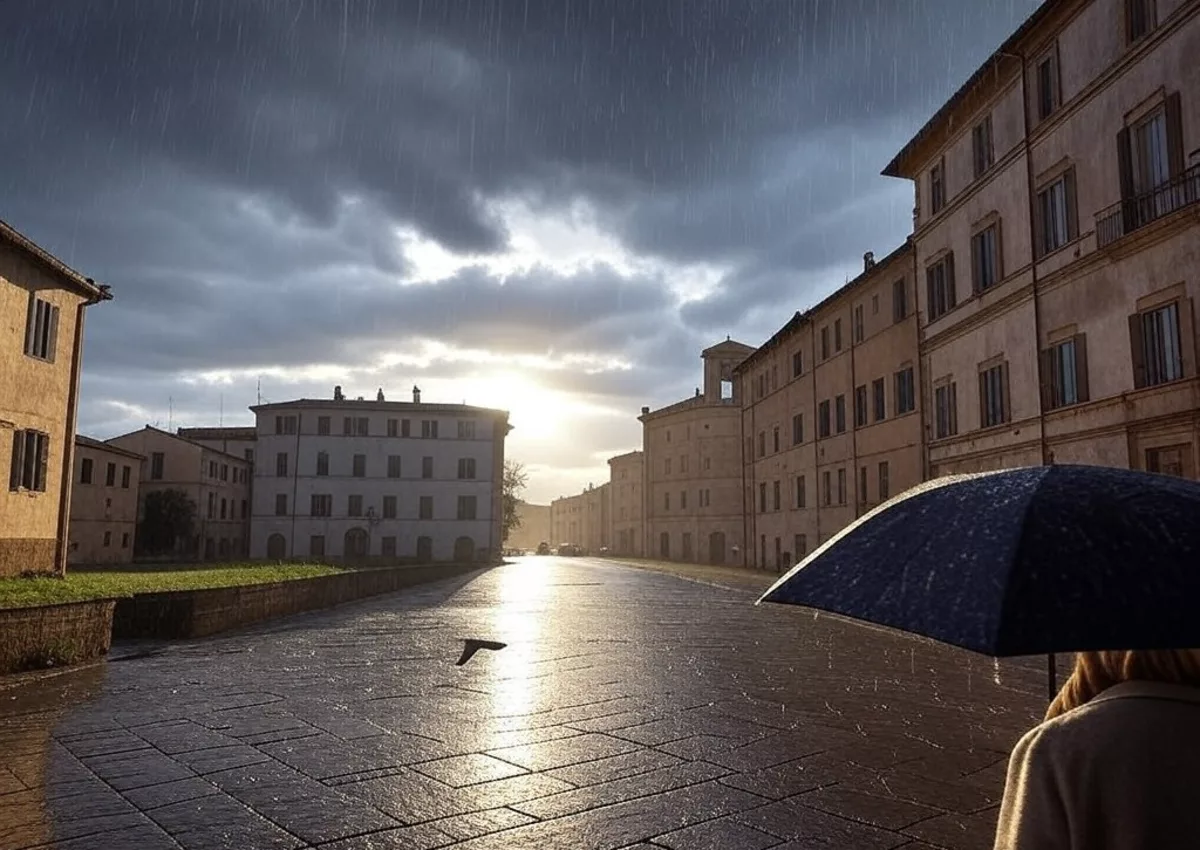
{"type": "Point", "coordinates": [1052, 675]}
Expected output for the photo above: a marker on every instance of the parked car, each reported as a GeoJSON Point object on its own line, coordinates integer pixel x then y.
{"type": "Point", "coordinates": [543, 549]}
{"type": "Point", "coordinates": [568, 550]}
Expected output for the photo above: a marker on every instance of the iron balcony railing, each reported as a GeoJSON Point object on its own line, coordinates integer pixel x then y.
{"type": "Point", "coordinates": [1128, 215]}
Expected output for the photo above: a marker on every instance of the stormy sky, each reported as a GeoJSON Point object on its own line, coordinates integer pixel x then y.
{"type": "Point", "coordinates": [549, 206]}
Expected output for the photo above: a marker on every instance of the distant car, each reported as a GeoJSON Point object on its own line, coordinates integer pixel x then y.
{"type": "Point", "coordinates": [543, 549]}
{"type": "Point", "coordinates": [567, 550]}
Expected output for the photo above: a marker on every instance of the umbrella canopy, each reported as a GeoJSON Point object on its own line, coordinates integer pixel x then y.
{"type": "Point", "coordinates": [1020, 562]}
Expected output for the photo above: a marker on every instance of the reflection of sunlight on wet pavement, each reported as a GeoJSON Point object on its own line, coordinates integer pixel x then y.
{"type": "Point", "coordinates": [523, 594]}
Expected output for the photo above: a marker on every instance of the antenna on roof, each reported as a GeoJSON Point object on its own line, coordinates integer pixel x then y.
{"type": "Point", "coordinates": [221, 411]}
{"type": "Point", "coordinates": [259, 390]}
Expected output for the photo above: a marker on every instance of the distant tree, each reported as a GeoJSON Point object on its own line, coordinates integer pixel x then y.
{"type": "Point", "coordinates": [169, 516]}
{"type": "Point", "coordinates": [515, 479]}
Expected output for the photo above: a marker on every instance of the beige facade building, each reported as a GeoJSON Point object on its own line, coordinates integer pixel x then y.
{"type": "Point", "coordinates": [42, 303]}
{"type": "Point", "coordinates": [628, 534]}
{"type": "Point", "coordinates": [1058, 241]}
{"type": "Point", "coordinates": [104, 503]}
{"type": "Point", "coordinates": [582, 520]}
{"type": "Point", "coordinates": [235, 440]}
{"type": "Point", "coordinates": [533, 529]}
{"type": "Point", "coordinates": [217, 483]}
{"type": "Point", "coordinates": [692, 468]}
{"type": "Point", "coordinates": [831, 418]}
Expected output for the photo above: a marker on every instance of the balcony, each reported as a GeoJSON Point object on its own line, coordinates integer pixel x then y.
{"type": "Point", "coordinates": [1126, 216]}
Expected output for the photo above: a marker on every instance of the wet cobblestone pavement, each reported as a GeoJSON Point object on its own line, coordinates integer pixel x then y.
{"type": "Point", "coordinates": [630, 709]}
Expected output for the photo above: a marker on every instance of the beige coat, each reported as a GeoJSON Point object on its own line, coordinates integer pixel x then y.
{"type": "Point", "coordinates": [1119, 773]}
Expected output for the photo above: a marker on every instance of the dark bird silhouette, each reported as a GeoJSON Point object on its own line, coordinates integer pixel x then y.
{"type": "Point", "coordinates": [473, 646]}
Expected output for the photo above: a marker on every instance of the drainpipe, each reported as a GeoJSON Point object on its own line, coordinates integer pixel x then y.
{"type": "Point", "coordinates": [295, 485]}
{"type": "Point", "coordinates": [815, 425]}
{"type": "Point", "coordinates": [742, 452]}
{"type": "Point", "coordinates": [853, 412]}
{"type": "Point", "coordinates": [922, 372]}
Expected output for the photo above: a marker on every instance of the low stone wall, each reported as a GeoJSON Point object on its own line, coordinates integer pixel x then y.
{"type": "Point", "coordinates": [54, 635]}
{"type": "Point", "coordinates": [196, 613]}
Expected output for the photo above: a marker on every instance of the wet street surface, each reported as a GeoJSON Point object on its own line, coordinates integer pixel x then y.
{"type": "Point", "coordinates": [628, 709]}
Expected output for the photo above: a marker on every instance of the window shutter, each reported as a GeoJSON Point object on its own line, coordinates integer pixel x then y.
{"type": "Point", "coordinates": [983, 420]}
{"type": "Point", "coordinates": [39, 479]}
{"type": "Point", "coordinates": [18, 460]}
{"type": "Point", "coordinates": [929, 302]}
{"type": "Point", "coordinates": [1005, 401]}
{"type": "Point", "coordinates": [953, 395]}
{"type": "Point", "coordinates": [952, 292]}
{"type": "Point", "coordinates": [1046, 356]}
{"type": "Point", "coordinates": [975, 270]}
{"type": "Point", "coordinates": [1174, 118]}
{"type": "Point", "coordinates": [998, 248]}
{"type": "Point", "coordinates": [52, 343]}
{"type": "Point", "coordinates": [1072, 204]}
{"type": "Point", "coordinates": [1137, 350]}
{"type": "Point", "coordinates": [30, 323]}
{"type": "Point", "coordinates": [1187, 337]}
{"type": "Point", "coordinates": [1081, 368]}
{"type": "Point", "coordinates": [1039, 225]}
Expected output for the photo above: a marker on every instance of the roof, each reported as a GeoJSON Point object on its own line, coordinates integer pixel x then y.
{"type": "Point", "coordinates": [799, 318]}
{"type": "Point", "coordinates": [74, 280]}
{"type": "Point", "coordinates": [686, 404]}
{"type": "Point", "coordinates": [160, 431]}
{"type": "Point", "coordinates": [901, 162]}
{"type": "Point", "coordinates": [727, 346]}
{"type": "Point", "coordinates": [351, 405]}
{"type": "Point", "coordinates": [81, 440]}
{"type": "Point", "coordinates": [245, 432]}
{"type": "Point", "coordinates": [635, 454]}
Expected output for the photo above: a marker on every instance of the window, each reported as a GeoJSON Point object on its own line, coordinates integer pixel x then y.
{"type": "Point", "coordinates": [281, 501]}
{"type": "Point", "coordinates": [774, 439]}
{"type": "Point", "coordinates": [862, 485]}
{"type": "Point", "coordinates": [683, 500]}
{"type": "Point", "coordinates": [157, 460]}
{"type": "Point", "coordinates": [879, 401]}
{"type": "Point", "coordinates": [666, 501]}
{"type": "Point", "coordinates": [405, 428]}
{"type": "Point", "coordinates": [321, 504]}
{"type": "Point", "coordinates": [285, 424]}
{"type": "Point", "coordinates": [823, 420]}
{"type": "Point", "coordinates": [993, 396]}
{"type": "Point", "coordinates": [762, 447]}
{"type": "Point", "coordinates": [860, 406]}
{"type": "Point", "coordinates": [906, 394]}
{"type": "Point", "coordinates": [666, 466]}
{"type": "Point", "coordinates": [322, 463]}
{"type": "Point", "coordinates": [875, 304]}
{"type": "Point", "coordinates": [1055, 214]}
{"type": "Point", "coordinates": [937, 188]}
{"type": "Point", "coordinates": [801, 545]}
{"type": "Point", "coordinates": [224, 508]}
{"type": "Point", "coordinates": [248, 454]}
{"type": "Point", "coordinates": [841, 486]}
{"type": "Point", "coordinates": [466, 507]}
{"type": "Point", "coordinates": [839, 416]}
{"type": "Point", "coordinates": [41, 329]}
{"type": "Point", "coordinates": [1155, 344]}
{"type": "Point", "coordinates": [212, 469]}
{"type": "Point", "coordinates": [281, 464]}
{"type": "Point", "coordinates": [362, 426]}
{"type": "Point", "coordinates": [466, 429]}
{"type": "Point", "coordinates": [825, 343]}
{"type": "Point", "coordinates": [837, 335]}
{"type": "Point", "coordinates": [776, 495]}
{"type": "Point", "coordinates": [945, 404]}
{"type": "Point", "coordinates": [827, 487]}
{"type": "Point", "coordinates": [801, 495]}
{"type": "Point", "coordinates": [939, 284]}
{"type": "Point", "coordinates": [426, 467]}
{"type": "Point", "coordinates": [354, 505]}
{"type": "Point", "coordinates": [425, 508]}
{"type": "Point", "coordinates": [1170, 460]}
{"type": "Point", "coordinates": [393, 468]}
{"type": "Point", "coordinates": [359, 466]}
{"type": "Point", "coordinates": [30, 457]}
{"type": "Point", "coordinates": [85, 471]}
{"type": "Point", "coordinates": [885, 485]}
{"type": "Point", "coordinates": [762, 497]}
{"type": "Point", "coordinates": [981, 146]}
{"type": "Point", "coordinates": [224, 472]}
{"type": "Point", "coordinates": [323, 426]}
{"type": "Point", "coordinates": [797, 364]}
{"type": "Point", "coordinates": [316, 545]}
{"type": "Point", "coordinates": [1140, 18]}
{"type": "Point", "coordinates": [245, 509]}
{"type": "Point", "coordinates": [985, 258]}
{"type": "Point", "coordinates": [347, 426]}
{"type": "Point", "coordinates": [683, 464]}
{"type": "Point", "coordinates": [389, 507]}
{"type": "Point", "coordinates": [1149, 149]}
{"type": "Point", "coordinates": [107, 539]}
{"type": "Point", "coordinates": [393, 427]}
{"type": "Point", "coordinates": [466, 468]}
{"type": "Point", "coordinates": [1047, 84]}
{"type": "Point", "coordinates": [859, 324]}
{"type": "Point", "coordinates": [429, 429]}
{"type": "Point", "coordinates": [126, 473]}
{"type": "Point", "coordinates": [797, 429]}
{"type": "Point", "coordinates": [125, 540]}
{"type": "Point", "coordinates": [1064, 373]}
{"type": "Point", "coordinates": [212, 505]}
{"type": "Point", "coordinates": [899, 301]}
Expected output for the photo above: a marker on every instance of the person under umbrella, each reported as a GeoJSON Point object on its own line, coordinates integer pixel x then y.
{"type": "Point", "coordinates": [1103, 562]}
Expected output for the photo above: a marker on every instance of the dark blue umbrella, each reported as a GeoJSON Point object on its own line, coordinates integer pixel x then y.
{"type": "Point", "coordinates": [1020, 562]}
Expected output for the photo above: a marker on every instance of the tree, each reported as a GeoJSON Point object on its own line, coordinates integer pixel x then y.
{"type": "Point", "coordinates": [515, 479]}
{"type": "Point", "coordinates": [169, 517]}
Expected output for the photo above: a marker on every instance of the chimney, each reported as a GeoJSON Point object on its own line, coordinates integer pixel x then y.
{"type": "Point", "coordinates": [379, 395]}
{"type": "Point", "coordinates": [337, 393]}
{"type": "Point", "coordinates": [645, 411]}
{"type": "Point", "coordinates": [416, 394]}
{"type": "Point", "coordinates": [868, 261]}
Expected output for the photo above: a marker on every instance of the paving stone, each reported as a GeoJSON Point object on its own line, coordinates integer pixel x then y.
{"type": "Point", "coordinates": [699, 747]}
{"type": "Point", "coordinates": [619, 790]}
{"type": "Point", "coordinates": [141, 837]}
{"type": "Point", "coordinates": [471, 769]}
{"type": "Point", "coordinates": [948, 796]}
{"type": "Point", "coordinates": [811, 828]}
{"type": "Point", "coordinates": [413, 798]}
{"type": "Point", "coordinates": [475, 824]}
{"type": "Point", "coordinates": [521, 737]}
{"type": "Point", "coordinates": [614, 767]}
{"type": "Point", "coordinates": [324, 756]}
{"type": "Point", "coordinates": [797, 777]}
{"type": "Point", "coordinates": [403, 838]}
{"type": "Point", "coordinates": [96, 827]}
{"type": "Point", "coordinates": [166, 793]}
{"type": "Point", "coordinates": [962, 832]}
{"type": "Point", "coordinates": [768, 752]}
{"type": "Point", "coordinates": [204, 762]}
{"type": "Point", "coordinates": [133, 770]}
{"type": "Point", "coordinates": [722, 834]}
{"type": "Point", "coordinates": [182, 737]}
{"type": "Point", "coordinates": [548, 755]}
{"type": "Point", "coordinates": [220, 821]}
{"type": "Point", "coordinates": [9, 781]}
{"type": "Point", "coordinates": [874, 809]}
{"type": "Point", "coordinates": [105, 743]}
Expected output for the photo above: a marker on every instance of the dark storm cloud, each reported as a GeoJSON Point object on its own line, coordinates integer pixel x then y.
{"type": "Point", "coordinates": [737, 132]}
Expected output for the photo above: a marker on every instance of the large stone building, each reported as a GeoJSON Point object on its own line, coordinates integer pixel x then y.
{"type": "Point", "coordinates": [583, 520]}
{"type": "Point", "coordinates": [42, 303]}
{"type": "Point", "coordinates": [626, 474]}
{"type": "Point", "coordinates": [692, 467]}
{"type": "Point", "coordinates": [104, 503]}
{"type": "Point", "coordinates": [830, 415]}
{"type": "Point", "coordinates": [354, 479]}
{"type": "Point", "coordinates": [217, 483]}
{"type": "Point", "coordinates": [533, 529]}
{"type": "Point", "coordinates": [234, 440]}
{"type": "Point", "coordinates": [1057, 237]}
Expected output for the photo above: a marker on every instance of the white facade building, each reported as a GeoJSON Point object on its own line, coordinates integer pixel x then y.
{"type": "Point", "coordinates": [345, 479]}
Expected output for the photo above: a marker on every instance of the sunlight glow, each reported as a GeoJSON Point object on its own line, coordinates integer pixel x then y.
{"type": "Point", "coordinates": [524, 595]}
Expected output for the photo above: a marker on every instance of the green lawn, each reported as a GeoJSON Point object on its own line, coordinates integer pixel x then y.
{"type": "Point", "coordinates": [24, 592]}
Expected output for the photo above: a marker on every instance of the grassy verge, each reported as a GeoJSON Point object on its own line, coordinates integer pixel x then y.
{"type": "Point", "coordinates": [25, 592]}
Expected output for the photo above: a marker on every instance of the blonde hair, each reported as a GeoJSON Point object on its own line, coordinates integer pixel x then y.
{"type": "Point", "coordinates": [1095, 672]}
